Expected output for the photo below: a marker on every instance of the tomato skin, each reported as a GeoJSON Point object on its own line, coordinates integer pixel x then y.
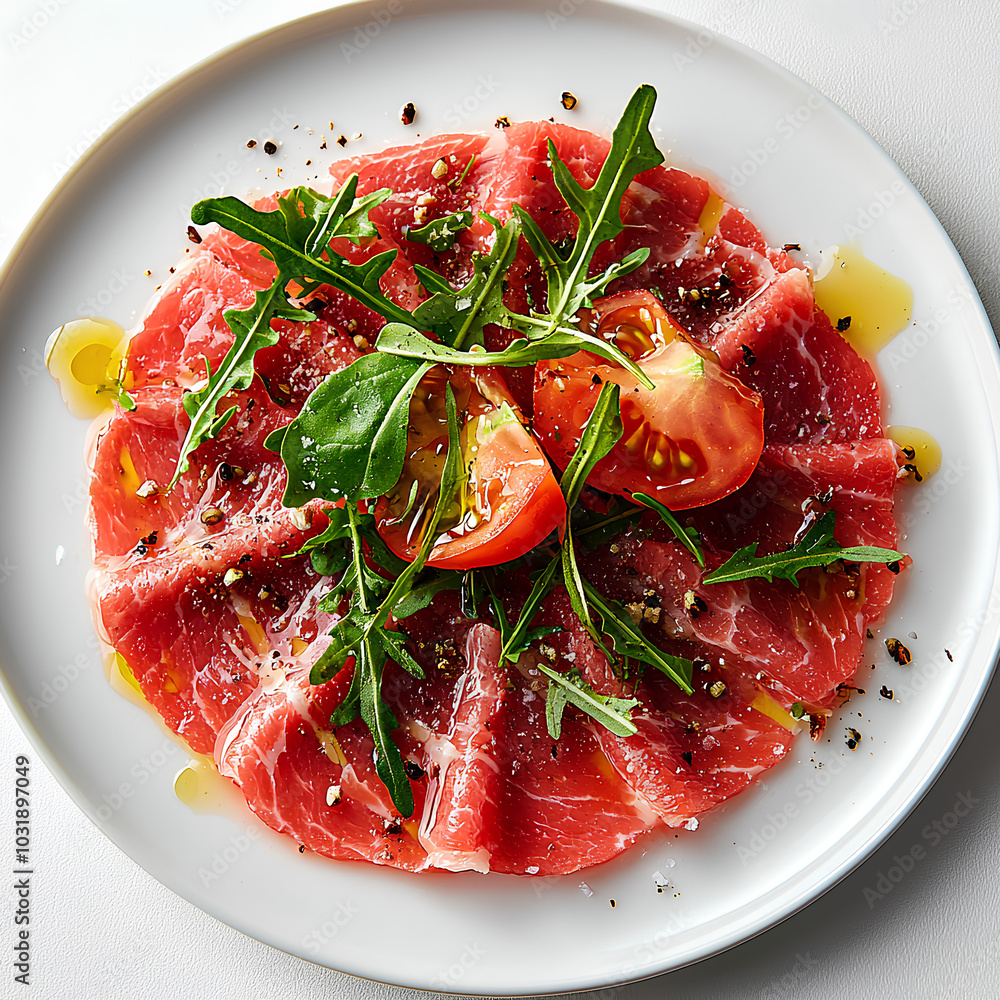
{"type": "Point", "coordinates": [692, 440]}
{"type": "Point", "coordinates": [515, 501]}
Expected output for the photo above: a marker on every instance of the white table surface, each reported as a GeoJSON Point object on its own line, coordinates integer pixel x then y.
{"type": "Point", "coordinates": [923, 77]}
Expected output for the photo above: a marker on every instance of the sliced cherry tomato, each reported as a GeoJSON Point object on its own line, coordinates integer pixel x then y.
{"type": "Point", "coordinates": [693, 439]}
{"type": "Point", "coordinates": [510, 501]}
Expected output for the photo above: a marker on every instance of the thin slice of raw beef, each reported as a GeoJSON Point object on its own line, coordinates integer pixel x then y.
{"type": "Point", "coordinates": [795, 484]}
{"type": "Point", "coordinates": [691, 751]}
{"type": "Point", "coordinates": [816, 388]}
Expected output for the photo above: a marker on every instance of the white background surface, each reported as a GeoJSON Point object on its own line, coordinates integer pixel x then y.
{"type": "Point", "coordinates": [924, 79]}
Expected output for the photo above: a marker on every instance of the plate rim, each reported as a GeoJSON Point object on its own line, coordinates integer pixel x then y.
{"type": "Point", "coordinates": [330, 21]}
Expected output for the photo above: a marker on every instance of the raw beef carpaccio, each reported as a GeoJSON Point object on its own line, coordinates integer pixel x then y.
{"type": "Point", "coordinates": [225, 656]}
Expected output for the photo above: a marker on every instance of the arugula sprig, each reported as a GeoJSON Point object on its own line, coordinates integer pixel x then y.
{"type": "Point", "coordinates": [440, 234]}
{"type": "Point", "coordinates": [600, 434]}
{"type": "Point", "coordinates": [629, 643]}
{"type": "Point", "coordinates": [457, 316]}
{"type": "Point", "coordinates": [251, 331]}
{"type": "Point", "coordinates": [362, 631]}
{"type": "Point", "coordinates": [293, 237]}
{"type": "Point", "coordinates": [297, 237]}
{"type": "Point", "coordinates": [612, 713]}
{"type": "Point", "coordinates": [688, 537]}
{"type": "Point", "coordinates": [406, 342]}
{"type": "Point", "coordinates": [598, 209]}
{"type": "Point", "coordinates": [818, 547]}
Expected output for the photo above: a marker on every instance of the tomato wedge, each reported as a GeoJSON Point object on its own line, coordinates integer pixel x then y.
{"type": "Point", "coordinates": [510, 501]}
{"type": "Point", "coordinates": [693, 439]}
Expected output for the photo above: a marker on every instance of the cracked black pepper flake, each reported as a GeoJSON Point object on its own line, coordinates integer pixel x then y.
{"type": "Point", "coordinates": [898, 651]}
{"type": "Point", "coordinates": [270, 147]}
{"type": "Point", "coordinates": [869, 634]}
{"type": "Point", "coordinates": [193, 235]}
{"type": "Point", "coordinates": [568, 100]}
{"type": "Point", "coordinates": [686, 757]}
{"type": "Point", "coordinates": [853, 739]}
{"type": "Point", "coordinates": [844, 323]}
{"type": "Point", "coordinates": [894, 567]}
{"type": "Point", "coordinates": [947, 653]}
{"type": "Point", "coordinates": [791, 246]}
{"type": "Point", "coordinates": [502, 122]}
{"type": "Point", "coordinates": [749, 358]}
{"type": "Point", "coordinates": [251, 143]}
{"type": "Point", "coordinates": [613, 903]}
{"type": "Point", "coordinates": [886, 693]}
{"type": "Point", "coordinates": [413, 770]}
{"type": "Point", "coordinates": [407, 113]}
{"type": "Point", "coordinates": [341, 140]}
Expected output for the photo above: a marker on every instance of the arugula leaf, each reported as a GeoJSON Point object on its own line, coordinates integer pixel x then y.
{"type": "Point", "coordinates": [329, 560]}
{"type": "Point", "coordinates": [555, 704]}
{"type": "Point", "coordinates": [423, 593]}
{"type": "Point", "coordinates": [298, 240]}
{"type": "Point", "coordinates": [370, 659]}
{"type": "Point", "coordinates": [350, 708]}
{"type": "Point", "coordinates": [349, 439]}
{"type": "Point", "coordinates": [440, 234]}
{"type": "Point", "coordinates": [600, 434]}
{"type": "Point", "coordinates": [817, 548]}
{"type": "Point", "coordinates": [332, 550]}
{"type": "Point", "coordinates": [612, 713]}
{"type": "Point", "coordinates": [631, 644]}
{"type": "Point", "coordinates": [404, 341]}
{"type": "Point", "coordinates": [598, 209]}
{"type": "Point", "coordinates": [251, 331]}
{"type": "Point", "coordinates": [515, 642]}
{"type": "Point", "coordinates": [458, 316]}
{"type": "Point", "coordinates": [516, 639]}
{"type": "Point", "coordinates": [394, 644]}
{"type": "Point", "coordinates": [532, 635]}
{"type": "Point", "coordinates": [346, 635]}
{"type": "Point", "coordinates": [688, 537]}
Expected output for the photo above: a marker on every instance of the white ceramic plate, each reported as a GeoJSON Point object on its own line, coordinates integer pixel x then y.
{"type": "Point", "coordinates": [805, 173]}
